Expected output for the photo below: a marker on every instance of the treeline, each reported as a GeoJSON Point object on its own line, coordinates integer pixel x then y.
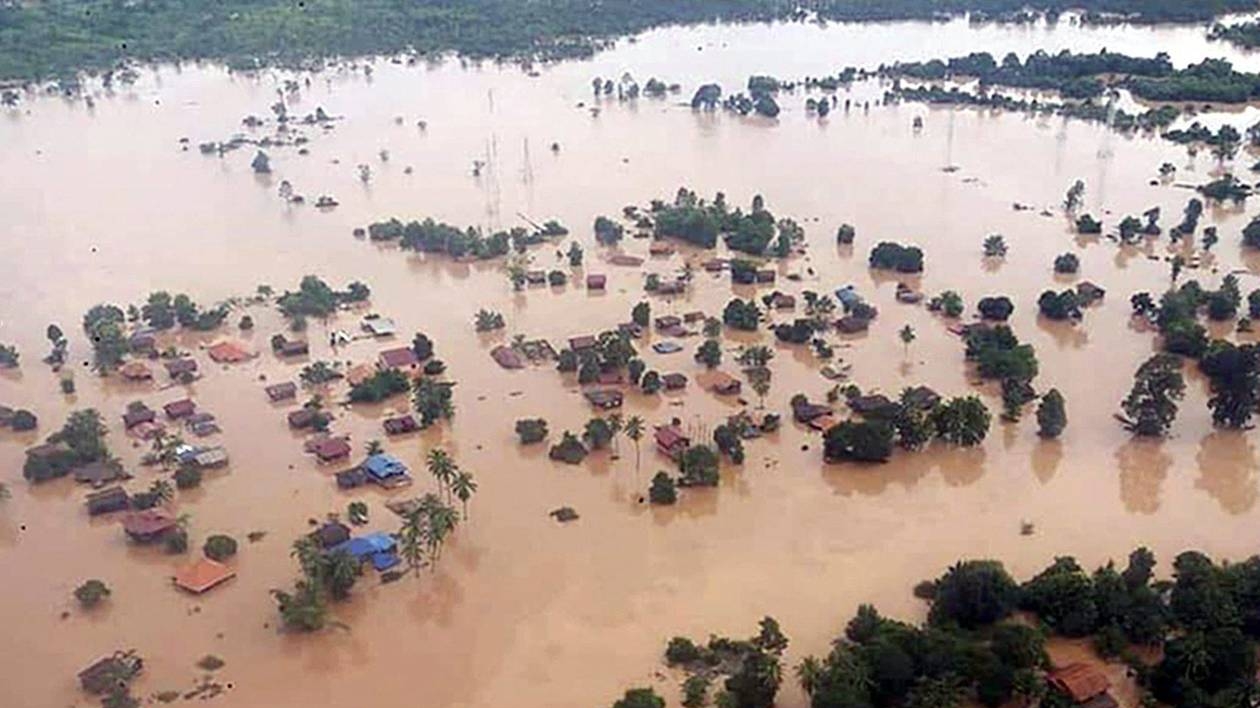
{"type": "Point", "coordinates": [1085, 76]}
{"type": "Point", "coordinates": [431, 236]}
{"type": "Point", "coordinates": [1119, 119]}
{"type": "Point", "coordinates": [43, 40]}
{"type": "Point", "coordinates": [1202, 626]}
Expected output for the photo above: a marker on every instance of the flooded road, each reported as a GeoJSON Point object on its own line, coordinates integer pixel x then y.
{"type": "Point", "coordinates": [101, 205]}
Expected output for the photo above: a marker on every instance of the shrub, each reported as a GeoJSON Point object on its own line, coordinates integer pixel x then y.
{"type": "Point", "coordinates": [23, 420]}
{"type": "Point", "coordinates": [91, 593]}
{"type": "Point", "coordinates": [219, 547]}
{"type": "Point", "coordinates": [862, 441]}
{"type": "Point", "coordinates": [531, 430]}
{"type": "Point", "coordinates": [894, 256]}
{"type": "Point", "coordinates": [681, 650]}
{"type": "Point", "coordinates": [997, 307]}
{"type": "Point", "coordinates": [187, 478]}
{"type": "Point", "coordinates": [662, 490]}
{"type": "Point", "coordinates": [1067, 263]}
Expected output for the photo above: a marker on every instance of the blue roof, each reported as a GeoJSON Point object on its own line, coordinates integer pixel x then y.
{"type": "Point", "coordinates": [363, 546]}
{"type": "Point", "coordinates": [847, 295]}
{"type": "Point", "coordinates": [383, 465]}
{"type": "Point", "coordinates": [385, 561]}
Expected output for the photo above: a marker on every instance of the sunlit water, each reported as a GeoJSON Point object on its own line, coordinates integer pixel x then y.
{"type": "Point", "coordinates": [100, 204]}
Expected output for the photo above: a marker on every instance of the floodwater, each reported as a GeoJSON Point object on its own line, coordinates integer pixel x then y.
{"type": "Point", "coordinates": [100, 204]}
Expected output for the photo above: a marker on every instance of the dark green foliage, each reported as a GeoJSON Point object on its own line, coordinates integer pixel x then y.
{"type": "Point", "coordinates": [699, 467]}
{"type": "Point", "coordinates": [91, 593]}
{"type": "Point", "coordinates": [1151, 404]}
{"type": "Point", "coordinates": [800, 331]}
{"type": "Point", "coordinates": [663, 490]}
{"type": "Point", "coordinates": [845, 234]}
{"type": "Point", "coordinates": [681, 650]}
{"type": "Point", "coordinates": [432, 400]}
{"type": "Point", "coordinates": [1067, 263]}
{"type": "Point", "coordinates": [640, 698]}
{"type": "Point", "coordinates": [219, 547]}
{"type": "Point", "coordinates": [741, 315]}
{"type": "Point", "coordinates": [997, 308]}
{"type": "Point", "coordinates": [1203, 669]}
{"type": "Point", "coordinates": [961, 421]}
{"type": "Point", "coordinates": [709, 353]}
{"type": "Point", "coordinates": [422, 346]}
{"type": "Point", "coordinates": [607, 231]}
{"type": "Point", "coordinates": [948, 303]}
{"type": "Point", "coordinates": [1051, 414]}
{"type": "Point", "coordinates": [597, 433]}
{"type": "Point", "coordinates": [569, 450]}
{"type": "Point", "coordinates": [1063, 597]}
{"type": "Point", "coordinates": [728, 442]}
{"type": "Point", "coordinates": [314, 298]}
{"type": "Point", "coordinates": [83, 437]}
{"type": "Point", "coordinates": [641, 314]}
{"type": "Point", "coordinates": [973, 594]}
{"type": "Point", "coordinates": [999, 355]}
{"type": "Point", "coordinates": [861, 441]}
{"type": "Point", "coordinates": [651, 382]}
{"type": "Point", "coordinates": [381, 385]}
{"type": "Point", "coordinates": [103, 325]}
{"type": "Point", "coordinates": [894, 256]}
{"type": "Point", "coordinates": [1234, 376]}
{"type": "Point", "coordinates": [1059, 306]}
{"type": "Point", "coordinates": [531, 430]}
{"type": "Point", "coordinates": [1087, 225]}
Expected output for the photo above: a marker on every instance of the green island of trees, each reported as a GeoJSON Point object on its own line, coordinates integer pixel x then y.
{"type": "Point", "coordinates": [700, 222]}
{"type": "Point", "coordinates": [56, 39]}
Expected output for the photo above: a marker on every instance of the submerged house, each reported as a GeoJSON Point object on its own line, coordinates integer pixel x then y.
{"type": "Point", "coordinates": [398, 358]}
{"type": "Point", "coordinates": [98, 473]}
{"type": "Point", "coordinates": [179, 368]}
{"type": "Point", "coordinates": [136, 414]}
{"type": "Point", "coordinates": [507, 357]}
{"type": "Point", "coordinates": [147, 526]}
{"type": "Point", "coordinates": [724, 384]}
{"type": "Point", "coordinates": [378, 326]}
{"type": "Point", "coordinates": [203, 575]}
{"type": "Point", "coordinates": [674, 381]}
{"type": "Point", "coordinates": [379, 548]}
{"type": "Point", "coordinates": [596, 281]}
{"type": "Point", "coordinates": [108, 501]}
{"type": "Point", "coordinates": [401, 425]}
{"type": "Point", "coordinates": [1083, 684]}
{"type": "Point", "coordinates": [583, 343]}
{"type": "Point", "coordinates": [179, 409]}
{"type": "Point", "coordinates": [110, 672]}
{"type": "Point", "coordinates": [386, 471]}
{"type": "Point", "coordinates": [671, 441]}
{"type": "Point", "coordinates": [229, 352]}
{"type": "Point", "coordinates": [281, 391]}
{"type": "Point", "coordinates": [351, 478]}
{"type": "Point", "coordinates": [331, 449]}
{"type": "Point", "coordinates": [604, 398]}
{"type": "Point", "coordinates": [331, 533]}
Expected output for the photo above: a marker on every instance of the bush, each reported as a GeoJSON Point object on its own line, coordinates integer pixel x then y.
{"type": "Point", "coordinates": [695, 691]}
{"type": "Point", "coordinates": [681, 650]}
{"type": "Point", "coordinates": [861, 441]}
{"type": "Point", "coordinates": [176, 541]}
{"type": "Point", "coordinates": [973, 594]}
{"type": "Point", "coordinates": [894, 256]}
{"type": "Point", "coordinates": [1067, 263]}
{"type": "Point", "coordinates": [187, 478]}
{"type": "Point", "coordinates": [1059, 306]}
{"type": "Point", "coordinates": [1051, 414]}
{"type": "Point", "coordinates": [219, 547]}
{"type": "Point", "coordinates": [640, 698]}
{"type": "Point", "coordinates": [997, 307]}
{"type": "Point", "coordinates": [91, 593]}
{"type": "Point", "coordinates": [699, 465]}
{"type": "Point", "coordinates": [662, 490]}
{"type": "Point", "coordinates": [531, 430]}
{"type": "Point", "coordinates": [845, 234]}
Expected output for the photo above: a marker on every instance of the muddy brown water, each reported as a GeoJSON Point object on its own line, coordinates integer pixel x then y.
{"type": "Point", "coordinates": [99, 204]}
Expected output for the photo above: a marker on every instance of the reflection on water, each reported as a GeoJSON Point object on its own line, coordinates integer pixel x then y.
{"type": "Point", "coordinates": [103, 205]}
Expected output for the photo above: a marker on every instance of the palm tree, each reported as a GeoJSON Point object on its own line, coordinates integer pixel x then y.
{"type": "Point", "coordinates": [307, 553]}
{"type": "Point", "coordinates": [162, 491]}
{"type": "Point", "coordinates": [442, 521]}
{"type": "Point", "coordinates": [442, 467]}
{"type": "Point", "coordinates": [907, 336]}
{"type": "Point", "coordinates": [809, 674]}
{"type": "Point", "coordinates": [634, 431]}
{"type": "Point", "coordinates": [616, 425]}
{"type": "Point", "coordinates": [412, 539]}
{"type": "Point", "coordinates": [374, 447]}
{"type": "Point", "coordinates": [759, 378]}
{"type": "Point", "coordinates": [464, 486]}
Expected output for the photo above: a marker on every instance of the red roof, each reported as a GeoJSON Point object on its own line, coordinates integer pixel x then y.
{"type": "Point", "coordinates": [669, 436]}
{"type": "Point", "coordinates": [596, 281]}
{"type": "Point", "coordinates": [203, 575]}
{"type": "Point", "coordinates": [180, 409]}
{"type": "Point", "coordinates": [229, 352]}
{"type": "Point", "coordinates": [332, 449]}
{"type": "Point", "coordinates": [400, 358]}
{"type": "Point", "coordinates": [585, 341]}
{"type": "Point", "coordinates": [1079, 681]}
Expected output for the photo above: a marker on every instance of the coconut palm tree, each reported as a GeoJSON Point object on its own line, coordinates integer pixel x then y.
{"type": "Point", "coordinates": [907, 336]}
{"type": "Point", "coordinates": [374, 447]}
{"type": "Point", "coordinates": [464, 486]}
{"type": "Point", "coordinates": [412, 540]}
{"type": "Point", "coordinates": [809, 674]}
{"type": "Point", "coordinates": [162, 491]}
{"type": "Point", "coordinates": [634, 430]}
{"type": "Point", "coordinates": [442, 521]}
{"type": "Point", "coordinates": [616, 425]}
{"type": "Point", "coordinates": [442, 467]}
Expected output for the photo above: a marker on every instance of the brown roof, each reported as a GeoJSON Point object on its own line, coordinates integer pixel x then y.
{"type": "Point", "coordinates": [585, 341]}
{"type": "Point", "coordinates": [203, 575]}
{"type": "Point", "coordinates": [596, 281]}
{"type": "Point", "coordinates": [282, 391]}
{"type": "Point", "coordinates": [181, 366]}
{"type": "Point", "coordinates": [136, 371]}
{"type": "Point", "coordinates": [674, 381]}
{"type": "Point", "coordinates": [180, 409]}
{"type": "Point", "coordinates": [722, 382]}
{"type": "Point", "coordinates": [229, 352]}
{"type": "Point", "coordinates": [332, 449]}
{"type": "Point", "coordinates": [507, 357]}
{"type": "Point", "coordinates": [147, 522]}
{"type": "Point", "coordinates": [399, 358]}
{"type": "Point", "coordinates": [667, 436]}
{"type": "Point", "coordinates": [1079, 681]}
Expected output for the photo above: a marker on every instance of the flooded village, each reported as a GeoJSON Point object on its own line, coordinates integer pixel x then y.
{"type": "Point", "coordinates": [460, 383]}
